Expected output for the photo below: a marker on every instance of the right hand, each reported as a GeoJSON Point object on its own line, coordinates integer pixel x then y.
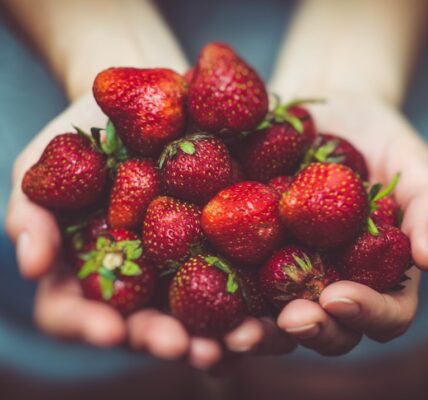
{"type": "Point", "coordinates": [61, 310]}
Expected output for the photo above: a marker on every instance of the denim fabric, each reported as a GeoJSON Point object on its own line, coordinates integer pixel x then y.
{"type": "Point", "coordinates": [29, 98]}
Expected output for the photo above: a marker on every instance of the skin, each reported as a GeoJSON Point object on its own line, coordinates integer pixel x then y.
{"type": "Point", "coordinates": [364, 109]}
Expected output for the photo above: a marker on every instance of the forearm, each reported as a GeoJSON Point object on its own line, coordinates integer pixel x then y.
{"type": "Point", "coordinates": [79, 38]}
{"type": "Point", "coordinates": [360, 46]}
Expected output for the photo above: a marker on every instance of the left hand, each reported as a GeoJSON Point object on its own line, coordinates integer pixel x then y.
{"type": "Point", "coordinates": [347, 310]}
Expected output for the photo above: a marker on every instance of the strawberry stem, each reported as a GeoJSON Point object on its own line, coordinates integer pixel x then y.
{"type": "Point", "coordinates": [372, 228]}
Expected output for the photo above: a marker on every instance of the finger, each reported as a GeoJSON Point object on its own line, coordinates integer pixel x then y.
{"type": "Point", "coordinates": [60, 310]}
{"type": "Point", "coordinates": [35, 233]}
{"type": "Point", "coordinates": [415, 225]}
{"type": "Point", "coordinates": [380, 316]}
{"type": "Point", "coordinates": [204, 352]}
{"type": "Point", "coordinates": [314, 328]}
{"type": "Point", "coordinates": [162, 335]}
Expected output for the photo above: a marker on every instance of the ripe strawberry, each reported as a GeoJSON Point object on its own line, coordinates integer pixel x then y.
{"type": "Point", "coordinates": [294, 273]}
{"type": "Point", "coordinates": [147, 106]}
{"type": "Point", "coordinates": [255, 301]}
{"type": "Point", "coordinates": [136, 184]}
{"type": "Point", "coordinates": [325, 206]}
{"type": "Point", "coordinates": [242, 222]}
{"type": "Point", "coordinates": [275, 150]}
{"type": "Point", "coordinates": [171, 231]}
{"type": "Point", "coordinates": [332, 148]}
{"type": "Point", "coordinates": [226, 95]}
{"type": "Point", "coordinates": [115, 272]}
{"type": "Point", "coordinates": [195, 168]}
{"type": "Point", "coordinates": [280, 183]}
{"type": "Point", "coordinates": [70, 174]}
{"type": "Point", "coordinates": [383, 207]}
{"type": "Point", "coordinates": [378, 261]}
{"type": "Point", "coordinates": [387, 213]}
{"type": "Point", "coordinates": [205, 296]}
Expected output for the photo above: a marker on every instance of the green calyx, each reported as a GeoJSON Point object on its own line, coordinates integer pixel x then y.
{"type": "Point", "coordinates": [106, 141]}
{"type": "Point", "coordinates": [280, 114]}
{"type": "Point", "coordinates": [185, 144]}
{"type": "Point", "coordinates": [299, 270]}
{"type": "Point", "coordinates": [322, 153]}
{"type": "Point", "coordinates": [110, 258]}
{"type": "Point", "coordinates": [375, 194]}
{"type": "Point", "coordinates": [232, 282]}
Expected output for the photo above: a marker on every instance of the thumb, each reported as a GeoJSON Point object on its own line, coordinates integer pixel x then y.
{"type": "Point", "coordinates": [35, 233]}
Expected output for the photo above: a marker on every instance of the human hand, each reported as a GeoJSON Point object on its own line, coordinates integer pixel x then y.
{"type": "Point", "coordinates": [347, 310]}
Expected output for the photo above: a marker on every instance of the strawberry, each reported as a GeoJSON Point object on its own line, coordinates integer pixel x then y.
{"type": "Point", "coordinates": [226, 95]}
{"type": "Point", "coordinates": [255, 301]}
{"type": "Point", "coordinates": [325, 206]}
{"type": "Point", "coordinates": [171, 231]}
{"type": "Point", "coordinates": [275, 150]}
{"type": "Point", "coordinates": [242, 222]}
{"type": "Point", "coordinates": [205, 296]}
{"type": "Point", "coordinates": [383, 208]}
{"type": "Point", "coordinates": [378, 261]}
{"type": "Point", "coordinates": [294, 273]}
{"type": "Point", "coordinates": [70, 174]}
{"type": "Point", "coordinates": [280, 183]}
{"type": "Point", "coordinates": [332, 148]}
{"type": "Point", "coordinates": [387, 213]}
{"type": "Point", "coordinates": [136, 184]}
{"type": "Point", "coordinates": [115, 272]}
{"type": "Point", "coordinates": [195, 168]}
{"type": "Point", "coordinates": [147, 106]}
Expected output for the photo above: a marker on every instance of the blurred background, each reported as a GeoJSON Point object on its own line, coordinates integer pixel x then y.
{"type": "Point", "coordinates": [34, 364]}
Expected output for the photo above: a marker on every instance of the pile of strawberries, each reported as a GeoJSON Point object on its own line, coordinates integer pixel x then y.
{"type": "Point", "coordinates": [198, 199]}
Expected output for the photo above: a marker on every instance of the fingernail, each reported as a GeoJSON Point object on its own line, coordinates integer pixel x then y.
{"type": "Point", "coordinates": [22, 249]}
{"type": "Point", "coordinates": [305, 331]}
{"type": "Point", "coordinates": [342, 307]}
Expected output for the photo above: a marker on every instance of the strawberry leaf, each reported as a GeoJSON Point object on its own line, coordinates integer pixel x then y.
{"type": "Point", "coordinates": [324, 151]}
{"type": "Point", "coordinates": [88, 268]}
{"type": "Point", "coordinates": [388, 190]}
{"type": "Point", "coordinates": [187, 147]}
{"type": "Point", "coordinates": [102, 242]}
{"type": "Point", "coordinates": [294, 121]}
{"type": "Point", "coordinates": [130, 268]}
{"type": "Point", "coordinates": [372, 228]}
{"type": "Point", "coordinates": [232, 285]}
{"type": "Point", "coordinates": [264, 124]}
{"type": "Point", "coordinates": [132, 248]}
{"type": "Point", "coordinates": [218, 263]}
{"type": "Point", "coordinates": [305, 263]}
{"type": "Point", "coordinates": [106, 287]}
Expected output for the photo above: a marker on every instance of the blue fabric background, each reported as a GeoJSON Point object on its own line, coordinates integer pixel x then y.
{"type": "Point", "coordinates": [29, 98]}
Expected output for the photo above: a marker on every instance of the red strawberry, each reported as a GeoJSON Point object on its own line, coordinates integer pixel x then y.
{"type": "Point", "coordinates": [275, 150]}
{"type": "Point", "coordinates": [70, 174]}
{"type": "Point", "coordinates": [136, 184]}
{"type": "Point", "coordinates": [378, 261]}
{"type": "Point", "coordinates": [294, 273]}
{"type": "Point", "coordinates": [115, 272]}
{"type": "Point", "coordinates": [280, 183]}
{"type": "Point", "coordinates": [242, 222]}
{"type": "Point", "coordinates": [226, 94]}
{"type": "Point", "coordinates": [147, 106]}
{"type": "Point", "coordinates": [255, 301]}
{"type": "Point", "coordinates": [387, 213]}
{"type": "Point", "coordinates": [325, 206]}
{"type": "Point", "coordinates": [205, 296]}
{"type": "Point", "coordinates": [171, 231]}
{"type": "Point", "coordinates": [383, 207]}
{"type": "Point", "coordinates": [332, 148]}
{"type": "Point", "coordinates": [195, 168]}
